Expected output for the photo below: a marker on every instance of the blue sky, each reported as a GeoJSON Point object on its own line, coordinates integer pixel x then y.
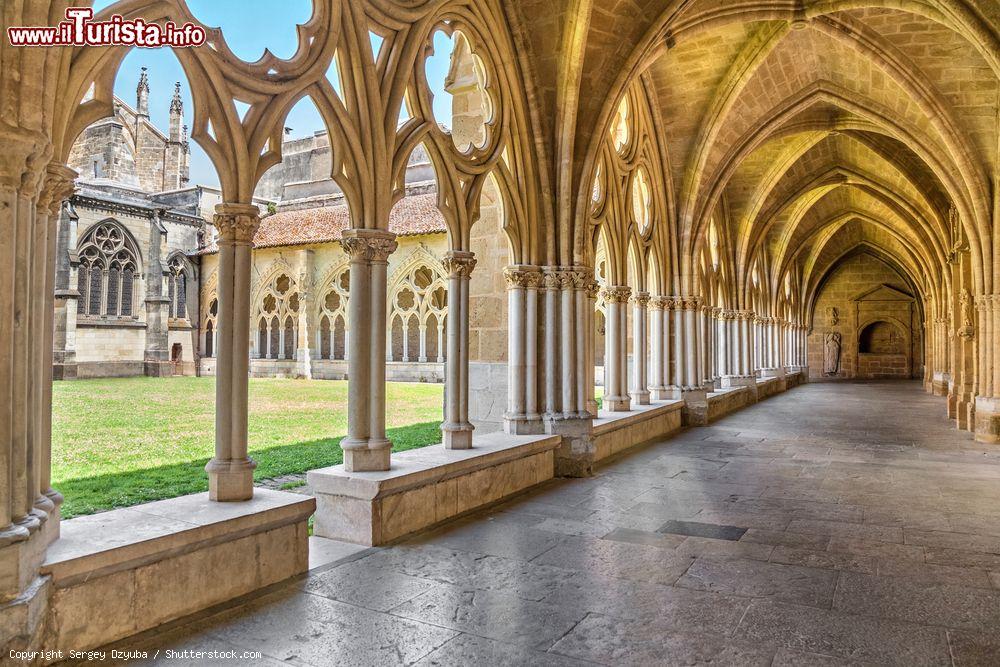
{"type": "Point", "coordinates": [241, 22]}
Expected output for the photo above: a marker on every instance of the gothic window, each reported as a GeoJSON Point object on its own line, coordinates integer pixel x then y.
{"type": "Point", "coordinates": [108, 272]}
{"type": "Point", "coordinates": [211, 326]}
{"type": "Point", "coordinates": [277, 306]}
{"type": "Point", "coordinates": [333, 318]}
{"type": "Point", "coordinates": [177, 288]}
{"type": "Point", "coordinates": [419, 303]}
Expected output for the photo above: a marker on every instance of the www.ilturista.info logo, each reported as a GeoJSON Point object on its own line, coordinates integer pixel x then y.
{"type": "Point", "coordinates": [79, 30]}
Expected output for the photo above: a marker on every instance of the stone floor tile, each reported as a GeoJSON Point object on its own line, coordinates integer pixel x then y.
{"type": "Point", "coordinates": [365, 586]}
{"type": "Point", "coordinates": [961, 607]}
{"type": "Point", "coordinates": [668, 606]}
{"type": "Point", "coordinates": [611, 641]}
{"type": "Point", "coordinates": [962, 558]}
{"type": "Point", "coordinates": [466, 650]}
{"type": "Point", "coordinates": [936, 538]}
{"type": "Point", "coordinates": [315, 630]}
{"type": "Point", "coordinates": [699, 529]}
{"type": "Point", "coordinates": [786, 539]}
{"type": "Point", "coordinates": [621, 560]}
{"type": "Point", "coordinates": [648, 538]}
{"type": "Point", "coordinates": [491, 614]}
{"type": "Point", "coordinates": [496, 538]}
{"type": "Point", "coordinates": [790, 658]}
{"type": "Point", "coordinates": [824, 559]}
{"type": "Point", "coordinates": [790, 583]}
{"type": "Point", "coordinates": [705, 546]}
{"type": "Point", "coordinates": [974, 649]}
{"type": "Point", "coordinates": [931, 573]}
{"type": "Point", "coordinates": [874, 548]}
{"type": "Point", "coordinates": [842, 529]}
{"type": "Point", "coordinates": [324, 552]}
{"type": "Point", "coordinates": [867, 640]}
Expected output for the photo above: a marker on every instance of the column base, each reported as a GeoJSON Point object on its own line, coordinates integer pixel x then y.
{"type": "Point", "coordinates": [523, 424]}
{"type": "Point", "coordinates": [230, 481]}
{"type": "Point", "coordinates": [695, 411]}
{"type": "Point", "coordinates": [661, 393]}
{"type": "Point", "coordinates": [617, 403]}
{"type": "Point", "coordinates": [772, 372]}
{"type": "Point", "coordinates": [639, 397]}
{"type": "Point", "coordinates": [157, 369]}
{"type": "Point", "coordinates": [366, 456]}
{"type": "Point", "coordinates": [577, 453]}
{"type": "Point", "coordinates": [457, 436]}
{"type": "Point", "coordinates": [987, 419]}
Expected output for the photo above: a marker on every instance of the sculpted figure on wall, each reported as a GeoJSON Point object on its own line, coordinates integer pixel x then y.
{"type": "Point", "coordinates": [832, 317]}
{"type": "Point", "coordinates": [831, 353]}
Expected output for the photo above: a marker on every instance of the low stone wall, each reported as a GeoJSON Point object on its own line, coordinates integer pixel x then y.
{"type": "Point", "coordinates": [724, 401]}
{"type": "Point", "coordinates": [122, 572]}
{"type": "Point", "coordinates": [427, 486]}
{"type": "Point", "coordinates": [615, 432]}
{"type": "Point", "coordinates": [109, 369]}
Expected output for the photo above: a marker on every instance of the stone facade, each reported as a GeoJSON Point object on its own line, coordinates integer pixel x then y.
{"type": "Point", "coordinates": [871, 307]}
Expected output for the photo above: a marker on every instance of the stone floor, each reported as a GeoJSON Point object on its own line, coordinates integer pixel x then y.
{"type": "Point", "coordinates": [835, 524]}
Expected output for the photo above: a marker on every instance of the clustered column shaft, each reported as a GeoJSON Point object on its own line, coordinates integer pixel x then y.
{"type": "Point", "coordinates": [616, 397]}
{"type": "Point", "coordinates": [457, 430]}
{"type": "Point", "coordinates": [230, 472]}
{"type": "Point", "coordinates": [366, 447]}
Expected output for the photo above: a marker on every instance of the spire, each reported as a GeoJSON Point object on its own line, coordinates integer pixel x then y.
{"type": "Point", "coordinates": [142, 94]}
{"type": "Point", "coordinates": [176, 105]}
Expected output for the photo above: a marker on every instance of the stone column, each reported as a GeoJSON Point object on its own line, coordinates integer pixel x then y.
{"type": "Point", "coordinates": [522, 415]}
{"type": "Point", "coordinates": [304, 337]}
{"type": "Point", "coordinates": [616, 398]}
{"type": "Point", "coordinates": [722, 344]}
{"type": "Point", "coordinates": [987, 405]}
{"type": "Point", "coordinates": [582, 279]}
{"type": "Point", "coordinates": [66, 295]}
{"type": "Point", "coordinates": [592, 288]}
{"type": "Point", "coordinates": [366, 448]}
{"type": "Point", "coordinates": [659, 311]}
{"type": "Point", "coordinates": [457, 430]}
{"type": "Point", "coordinates": [640, 387]}
{"type": "Point", "coordinates": [156, 358]}
{"type": "Point", "coordinates": [230, 472]}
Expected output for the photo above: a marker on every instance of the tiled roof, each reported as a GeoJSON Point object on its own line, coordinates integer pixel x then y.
{"type": "Point", "coordinates": [413, 215]}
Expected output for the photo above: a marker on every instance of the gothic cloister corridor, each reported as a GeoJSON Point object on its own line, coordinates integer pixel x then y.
{"type": "Point", "coordinates": [838, 523]}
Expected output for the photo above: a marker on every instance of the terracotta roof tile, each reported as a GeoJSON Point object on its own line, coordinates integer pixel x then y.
{"type": "Point", "coordinates": [413, 215]}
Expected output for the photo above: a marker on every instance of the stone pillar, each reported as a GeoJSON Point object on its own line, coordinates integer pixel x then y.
{"type": "Point", "coordinates": [565, 414]}
{"type": "Point", "coordinates": [230, 472]}
{"type": "Point", "coordinates": [987, 407]}
{"type": "Point", "coordinates": [457, 430]}
{"type": "Point", "coordinates": [723, 343]}
{"type": "Point", "coordinates": [659, 338]}
{"type": "Point", "coordinates": [616, 398]}
{"type": "Point", "coordinates": [592, 288]}
{"type": "Point", "coordinates": [66, 295]}
{"type": "Point", "coordinates": [640, 387]}
{"type": "Point", "coordinates": [523, 414]}
{"type": "Point", "coordinates": [156, 358]}
{"type": "Point", "coordinates": [304, 328]}
{"type": "Point", "coordinates": [366, 448]}
{"type": "Point", "coordinates": [687, 341]}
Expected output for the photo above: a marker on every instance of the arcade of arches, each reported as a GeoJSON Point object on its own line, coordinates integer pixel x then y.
{"type": "Point", "coordinates": [711, 201]}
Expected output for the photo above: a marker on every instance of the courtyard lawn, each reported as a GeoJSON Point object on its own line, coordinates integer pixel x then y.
{"type": "Point", "coordinates": [123, 441]}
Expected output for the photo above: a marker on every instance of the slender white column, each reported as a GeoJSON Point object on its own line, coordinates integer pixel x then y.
{"type": "Point", "coordinates": [679, 359]}
{"type": "Point", "coordinates": [551, 285]}
{"type": "Point", "coordinates": [592, 288]}
{"type": "Point", "coordinates": [457, 430]}
{"type": "Point", "coordinates": [366, 448]}
{"type": "Point", "coordinates": [691, 379]}
{"type": "Point", "coordinates": [423, 343]}
{"type": "Point", "coordinates": [567, 329]}
{"type": "Point", "coordinates": [584, 341]}
{"type": "Point", "coordinates": [659, 312]}
{"type": "Point", "coordinates": [522, 415]}
{"type": "Point", "coordinates": [230, 472]}
{"type": "Point", "coordinates": [616, 398]}
{"type": "Point", "coordinates": [640, 385]}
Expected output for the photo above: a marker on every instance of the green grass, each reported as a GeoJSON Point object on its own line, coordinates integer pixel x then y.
{"type": "Point", "coordinates": [120, 442]}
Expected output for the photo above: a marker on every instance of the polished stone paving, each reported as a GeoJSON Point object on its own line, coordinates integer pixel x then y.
{"type": "Point", "coordinates": [868, 533]}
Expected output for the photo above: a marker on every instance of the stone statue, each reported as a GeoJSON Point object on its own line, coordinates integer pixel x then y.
{"type": "Point", "coordinates": [832, 317]}
{"type": "Point", "coordinates": [831, 354]}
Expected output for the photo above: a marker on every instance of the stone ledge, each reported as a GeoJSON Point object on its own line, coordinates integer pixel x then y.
{"type": "Point", "coordinates": [615, 432]}
{"type": "Point", "coordinates": [721, 402]}
{"type": "Point", "coordinates": [159, 562]}
{"type": "Point", "coordinates": [427, 486]}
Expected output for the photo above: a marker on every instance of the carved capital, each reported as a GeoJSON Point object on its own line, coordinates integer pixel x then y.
{"type": "Point", "coordinates": [690, 302]}
{"type": "Point", "coordinates": [368, 245]}
{"type": "Point", "coordinates": [619, 294]}
{"type": "Point", "coordinates": [458, 264]}
{"type": "Point", "coordinates": [23, 159]}
{"type": "Point", "coordinates": [641, 299]}
{"type": "Point", "coordinates": [517, 278]}
{"type": "Point", "coordinates": [237, 223]}
{"type": "Point", "coordinates": [60, 181]}
{"type": "Point", "coordinates": [659, 303]}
